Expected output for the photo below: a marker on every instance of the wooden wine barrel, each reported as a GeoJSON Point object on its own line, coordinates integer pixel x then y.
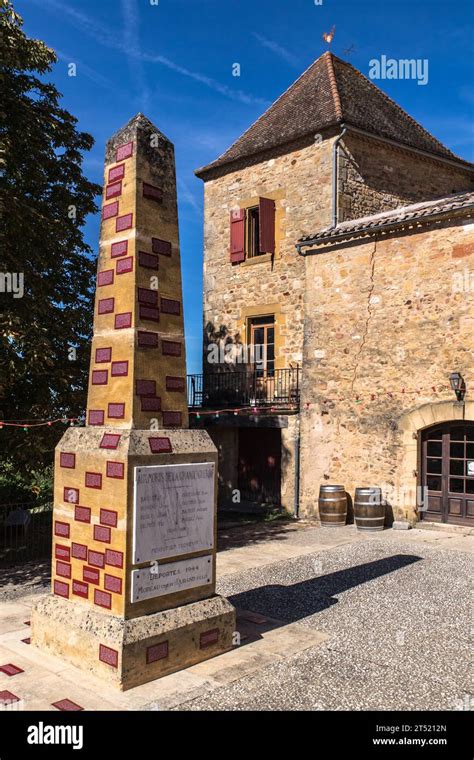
{"type": "Point", "coordinates": [332, 506]}
{"type": "Point", "coordinates": [369, 510]}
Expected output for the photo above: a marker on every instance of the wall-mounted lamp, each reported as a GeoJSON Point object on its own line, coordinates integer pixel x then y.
{"type": "Point", "coordinates": [458, 385]}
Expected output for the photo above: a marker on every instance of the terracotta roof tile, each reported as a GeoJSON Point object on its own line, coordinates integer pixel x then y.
{"type": "Point", "coordinates": [398, 216]}
{"type": "Point", "coordinates": [329, 92]}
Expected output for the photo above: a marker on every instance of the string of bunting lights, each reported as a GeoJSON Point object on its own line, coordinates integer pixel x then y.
{"type": "Point", "coordinates": [358, 399]}
{"type": "Point", "coordinates": [27, 424]}
{"type": "Point", "coordinates": [236, 411]}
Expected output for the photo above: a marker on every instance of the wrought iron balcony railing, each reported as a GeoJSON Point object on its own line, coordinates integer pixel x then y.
{"type": "Point", "coordinates": [280, 389]}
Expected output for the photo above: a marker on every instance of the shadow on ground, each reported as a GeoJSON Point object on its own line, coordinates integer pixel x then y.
{"type": "Point", "coordinates": [255, 533]}
{"type": "Point", "coordinates": [26, 578]}
{"type": "Point", "coordinates": [292, 603]}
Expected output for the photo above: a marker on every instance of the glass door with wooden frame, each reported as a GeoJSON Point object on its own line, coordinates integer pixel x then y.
{"type": "Point", "coordinates": [262, 342]}
{"type": "Point", "coordinates": [448, 473]}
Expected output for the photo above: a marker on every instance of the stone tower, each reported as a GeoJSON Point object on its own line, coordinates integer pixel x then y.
{"type": "Point", "coordinates": [135, 490]}
{"type": "Point", "coordinates": [138, 366]}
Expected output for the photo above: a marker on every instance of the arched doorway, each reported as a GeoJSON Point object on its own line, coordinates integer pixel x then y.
{"type": "Point", "coordinates": [447, 472]}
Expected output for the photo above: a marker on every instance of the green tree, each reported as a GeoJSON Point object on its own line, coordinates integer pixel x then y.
{"type": "Point", "coordinates": [45, 199]}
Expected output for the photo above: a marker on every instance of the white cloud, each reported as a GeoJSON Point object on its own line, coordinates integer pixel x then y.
{"type": "Point", "coordinates": [83, 69]}
{"type": "Point", "coordinates": [108, 38]}
{"type": "Point", "coordinates": [278, 49]}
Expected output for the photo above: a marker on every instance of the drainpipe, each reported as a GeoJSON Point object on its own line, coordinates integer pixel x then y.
{"type": "Point", "coordinates": [296, 510]}
{"type": "Point", "coordinates": [335, 172]}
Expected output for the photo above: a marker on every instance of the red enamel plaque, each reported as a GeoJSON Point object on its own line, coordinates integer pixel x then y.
{"type": "Point", "coordinates": [150, 404]}
{"type": "Point", "coordinates": [103, 355]}
{"type": "Point", "coordinates": [119, 248]}
{"type": "Point", "coordinates": [97, 559]}
{"type": "Point", "coordinates": [116, 411]}
{"type": "Point", "coordinates": [113, 558]}
{"type": "Point", "coordinates": [96, 417]}
{"type": "Point", "coordinates": [124, 265]}
{"type": "Point", "coordinates": [175, 383]}
{"type": "Point", "coordinates": [91, 574]}
{"type": "Point", "coordinates": [82, 514]}
{"type": "Point", "coordinates": [147, 339]}
{"type": "Point", "coordinates": [110, 210]}
{"type": "Point", "coordinates": [105, 278]}
{"type": "Point", "coordinates": [102, 598]}
{"type": "Point", "coordinates": [99, 377]}
{"type": "Point", "coordinates": [160, 445]}
{"type": "Point", "coordinates": [71, 495]}
{"type": "Point", "coordinates": [161, 246]}
{"type": "Point", "coordinates": [150, 313]}
{"type": "Point", "coordinates": [170, 348]}
{"type": "Point", "coordinates": [93, 480]}
{"type": "Point", "coordinates": [61, 589]}
{"type": "Point", "coordinates": [67, 460]}
{"type": "Point", "coordinates": [113, 190]}
{"type": "Point", "coordinates": [119, 369]}
{"type": "Point", "coordinates": [123, 320]}
{"type": "Point", "coordinates": [80, 589]}
{"type": "Point", "coordinates": [117, 172]}
{"type": "Point", "coordinates": [105, 306]}
{"type": "Point", "coordinates": [152, 192]}
{"type": "Point", "coordinates": [145, 387]}
{"type": "Point", "coordinates": [113, 584]}
{"type": "Point", "coordinates": [148, 296]}
{"type": "Point", "coordinates": [124, 151]}
{"type": "Point", "coordinates": [108, 655]}
{"type": "Point", "coordinates": [148, 260]}
{"type": "Point", "coordinates": [79, 551]}
{"type": "Point", "coordinates": [108, 517]}
{"type": "Point", "coordinates": [123, 222]}
{"type": "Point", "coordinates": [102, 533]}
{"type": "Point", "coordinates": [109, 441]}
{"type": "Point", "coordinates": [157, 652]}
{"type": "Point", "coordinates": [172, 419]}
{"type": "Point", "coordinates": [168, 306]}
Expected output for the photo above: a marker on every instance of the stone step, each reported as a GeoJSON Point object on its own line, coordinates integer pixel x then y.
{"type": "Point", "coordinates": [446, 527]}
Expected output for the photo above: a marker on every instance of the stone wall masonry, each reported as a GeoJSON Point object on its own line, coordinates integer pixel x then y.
{"type": "Point", "coordinates": [383, 316]}
{"type": "Point", "coordinates": [289, 442]}
{"type": "Point", "coordinates": [226, 440]}
{"type": "Point", "coordinates": [300, 184]}
{"type": "Point", "coordinates": [374, 177]}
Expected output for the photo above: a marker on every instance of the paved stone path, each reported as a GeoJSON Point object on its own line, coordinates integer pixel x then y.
{"type": "Point", "coordinates": [338, 620]}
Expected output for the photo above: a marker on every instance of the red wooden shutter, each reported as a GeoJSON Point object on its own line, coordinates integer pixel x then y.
{"type": "Point", "coordinates": [237, 235]}
{"type": "Point", "coordinates": [267, 225]}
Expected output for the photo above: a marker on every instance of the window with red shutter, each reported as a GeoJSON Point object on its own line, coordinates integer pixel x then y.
{"type": "Point", "coordinates": [237, 235]}
{"type": "Point", "coordinates": [252, 231]}
{"type": "Point", "coordinates": [266, 225]}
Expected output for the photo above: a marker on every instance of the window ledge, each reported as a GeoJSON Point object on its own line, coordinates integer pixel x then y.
{"type": "Point", "coordinates": [264, 258]}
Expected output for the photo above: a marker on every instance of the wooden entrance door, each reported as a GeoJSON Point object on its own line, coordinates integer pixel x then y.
{"type": "Point", "coordinates": [447, 454]}
{"type": "Point", "coordinates": [260, 465]}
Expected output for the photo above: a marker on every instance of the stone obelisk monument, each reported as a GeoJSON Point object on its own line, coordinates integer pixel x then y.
{"type": "Point", "coordinates": [133, 577]}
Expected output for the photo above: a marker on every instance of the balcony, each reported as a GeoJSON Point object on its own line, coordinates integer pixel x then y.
{"type": "Point", "coordinates": [245, 388]}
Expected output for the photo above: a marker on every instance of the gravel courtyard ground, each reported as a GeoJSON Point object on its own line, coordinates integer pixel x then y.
{"type": "Point", "coordinates": [354, 622]}
{"type": "Point", "coordinates": [398, 619]}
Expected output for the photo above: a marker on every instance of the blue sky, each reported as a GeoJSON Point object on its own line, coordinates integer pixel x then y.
{"type": "Point", "coordinates": [173, 61]}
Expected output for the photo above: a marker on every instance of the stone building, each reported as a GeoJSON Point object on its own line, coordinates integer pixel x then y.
{"type": "Point", "coordinates": [389, 316]}
{"type": "Point", "coordinates": [278, 329]}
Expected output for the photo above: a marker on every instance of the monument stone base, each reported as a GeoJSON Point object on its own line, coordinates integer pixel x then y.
{"type": "Point", "coordinates": [128, 653]}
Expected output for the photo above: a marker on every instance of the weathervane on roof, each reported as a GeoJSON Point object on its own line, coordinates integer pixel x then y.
{"type": "Point", "coordinates": [329, 36]}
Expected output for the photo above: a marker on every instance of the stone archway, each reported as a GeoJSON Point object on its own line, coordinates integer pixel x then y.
{"type": "Point", "coordinates": [411, 424]}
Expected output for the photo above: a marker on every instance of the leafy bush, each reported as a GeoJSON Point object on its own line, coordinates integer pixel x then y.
{"type": "Point", "coordinates": [20, 486]}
